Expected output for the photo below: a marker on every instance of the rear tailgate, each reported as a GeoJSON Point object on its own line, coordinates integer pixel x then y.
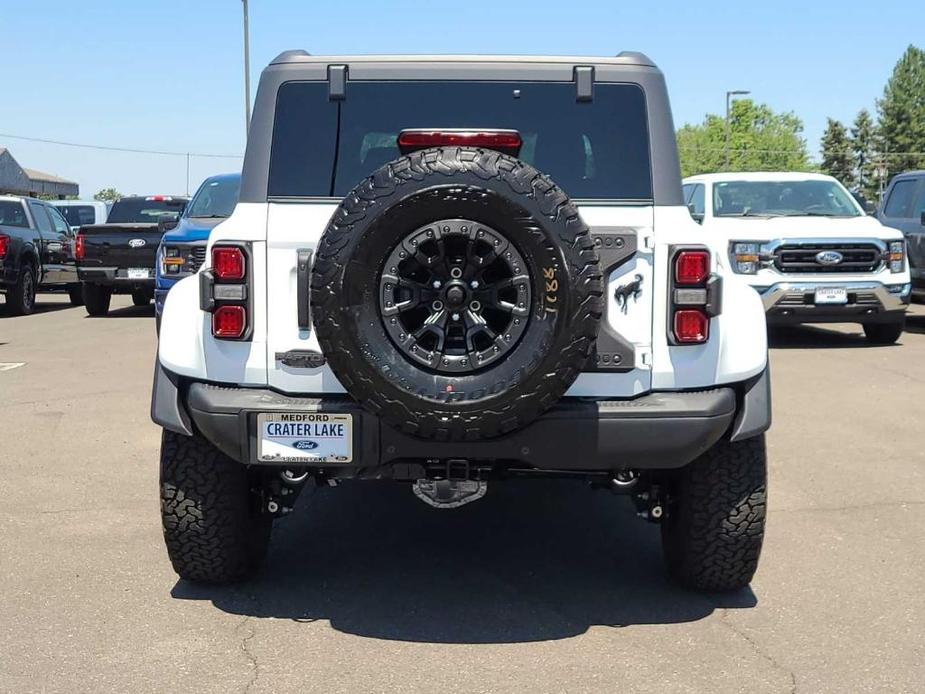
{"type": "Point", "coordinates": [120, 246]}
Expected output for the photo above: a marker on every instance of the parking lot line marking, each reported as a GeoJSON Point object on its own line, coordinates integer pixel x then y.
{"type": "Point", "coordinates": [10, 365]}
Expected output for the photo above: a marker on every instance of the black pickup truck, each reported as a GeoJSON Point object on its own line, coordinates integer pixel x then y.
{"type": "Point", "coordinates": [119, 257]}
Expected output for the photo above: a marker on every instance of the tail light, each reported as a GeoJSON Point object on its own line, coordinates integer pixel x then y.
{"type": "Point", "coordinates": [80, 246]}
{"type": "Point", "coordinates": [691, 326]}
{"type": "Point", "coordinates": [228, 263]}
{"type": "Point", "coordinates": [225, 292]}
{"type": "Point", "coordinates": [229, 322]}
{"type": "Point", "coordinates": [4, 242]}
{"type": "Point", "coordinates": [696, 296]}
{"type": "Point", "coordinates": [691, 267]}
{"type": "Point", "coordinates": [504, 141]}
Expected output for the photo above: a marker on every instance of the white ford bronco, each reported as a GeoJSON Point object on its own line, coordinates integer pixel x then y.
{"type": "Point", "coordinates": [451, 272]}
{"type": "Point", "coordinates": [806, 245]}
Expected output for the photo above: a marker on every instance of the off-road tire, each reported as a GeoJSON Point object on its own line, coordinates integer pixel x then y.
{"type": "Point", "coordinates": [75, 294]}
{"type": "Point", "coordinates": [20, 298]}
{"type": "Point", "coordinates": [715, 520]}
{"type": "Point", "coordinates": [141, 298]}
{"type": "Point", "coordinates": [492, 189]}
{"type": "Point", "coordinates": [97, 299]}
{"type": "Point", "coordinates": [213, 530]}
{"type": "Point", "coordinates": [884, 333]}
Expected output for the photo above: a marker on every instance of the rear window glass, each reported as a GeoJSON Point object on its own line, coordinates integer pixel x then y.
{"type": "Point", "coordinates": [12, 214]}
{"type": "Point", "coordinates": [900, 202]}
{"type": "Point", "coordinates": [593, 150]}
{"type": "Point", "coordinates": [77, 215]}
{"type": "Point", "coordinates": [144, 211]}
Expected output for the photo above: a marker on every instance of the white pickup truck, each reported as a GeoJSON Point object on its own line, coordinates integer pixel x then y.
{"type": "Point", "coordinates": [805, 244]}
{"type": "Point", "coordinates": [449, 272]}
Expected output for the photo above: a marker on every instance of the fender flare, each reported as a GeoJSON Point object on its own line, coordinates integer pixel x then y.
{"type": "Point", "coordinates": [167, 409]}
{"type": "Point", "coordinates": [754, 415]}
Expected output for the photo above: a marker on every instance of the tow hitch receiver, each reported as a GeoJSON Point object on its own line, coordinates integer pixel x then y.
{"type": "Point", "coordinates": [449, 493]}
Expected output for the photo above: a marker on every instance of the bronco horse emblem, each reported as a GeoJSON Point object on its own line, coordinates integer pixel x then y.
{"type": "Point", "coordinates": [631, 289]}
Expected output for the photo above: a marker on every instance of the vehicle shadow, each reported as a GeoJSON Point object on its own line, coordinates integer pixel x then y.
{"type": "Point", "coordinates": [41, 306]}
{"type": "Point", "coordinates": [915, 324]}
{"type": "Point", "coordinates": [816, 337]}
{"type": "Point", "coordinates": [532, 561]}
{"type": "Point", "coordinates": [131, 312]}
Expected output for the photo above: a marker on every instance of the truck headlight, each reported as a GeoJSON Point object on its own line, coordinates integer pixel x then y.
{"type": "Point", "coordinates": [897, 256]}
{"type": "Point", "coordinates": [171, 260]}
{"type": "Point", "coordinates": [745, 257]}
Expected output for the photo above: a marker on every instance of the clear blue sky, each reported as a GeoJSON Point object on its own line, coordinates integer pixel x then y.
{"type": "Point", "coordinates": [168, 75]}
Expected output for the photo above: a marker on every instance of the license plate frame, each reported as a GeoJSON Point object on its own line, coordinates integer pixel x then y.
{"type": "Point", "coordinates": [138, 273]}
{"type": "Point", "coordinates": [325, 437]}
{"type": "Point", "coordinates": [828, 296]}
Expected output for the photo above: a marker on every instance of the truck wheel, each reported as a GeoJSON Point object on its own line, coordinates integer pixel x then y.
{"type": "Point", "coordinates": [96, 299]}
{"type": "Point", "coordinates": [457, 293]}
{"type": "Point", "coordinates": [715, 519]}
{"type": "Point", "coordinates": [76, 294]}
{"type": "Point", "coordinates": [20, 298]}
{"type": "Point", "coordinates": [141, 298]}
{"type": "Point", "coordinates": [884, 333]}
{"type": "Point", "coordinates": [212, 527]}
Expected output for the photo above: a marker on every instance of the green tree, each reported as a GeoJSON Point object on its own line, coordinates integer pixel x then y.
{"type": "Point", "coordinates": [864, 138]}
{"type": "Point", "coordinates": [108, 195]}
{"type": "Point", "coordinates": [760, 140]}
{"type": "Point", "coordinates": [902, 113]}
{"type": "Point", "coordinates": [836, 152]}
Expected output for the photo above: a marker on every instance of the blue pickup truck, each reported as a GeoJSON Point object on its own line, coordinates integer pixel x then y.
{"type": "Point", "coordinates": [183, 249]}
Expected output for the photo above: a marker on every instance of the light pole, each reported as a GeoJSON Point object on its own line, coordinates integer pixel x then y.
{"type": "Point", "coordinates": [729, 95]}
{"type": "Point", "coordinates": [247, 73]}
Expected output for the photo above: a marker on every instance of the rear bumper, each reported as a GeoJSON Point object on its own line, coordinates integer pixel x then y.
{"type": "Point", "coordinates": [114, 277]}
{"type": "Point", "coordinates": [659, 430]}
{"type": "Point", "coordinates": [788, 303]}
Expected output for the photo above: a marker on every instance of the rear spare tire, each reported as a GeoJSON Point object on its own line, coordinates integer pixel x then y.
{"type": "Point", "coordinates": [456, 293]}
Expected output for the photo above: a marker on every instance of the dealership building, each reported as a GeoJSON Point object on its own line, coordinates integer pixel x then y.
{"type": "Point", "coordinates": [17, 180]}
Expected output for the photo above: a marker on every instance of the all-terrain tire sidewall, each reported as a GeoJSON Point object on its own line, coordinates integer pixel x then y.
{"type": "Point", "coordinates": [498, 192]}
{"type": "Point", "coordinates": [212, 531]}
{"type": "Point", "coordinates": [714, 528]}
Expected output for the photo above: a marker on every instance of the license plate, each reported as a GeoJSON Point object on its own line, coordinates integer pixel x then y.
{"type": "Point", "coordinates": [831, 295]}
{"type": "Point", "coordinates": [305, 437]}
{"type": "Point", "coordinates": [138, 273]}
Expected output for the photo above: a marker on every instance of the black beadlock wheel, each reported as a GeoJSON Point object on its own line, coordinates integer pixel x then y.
{"type": "Point", "coordinates": [456, 293]}
{"type": "Point", "coordinates": [213, 528]}
{"type": "Point", "coordinates": [714, 526]}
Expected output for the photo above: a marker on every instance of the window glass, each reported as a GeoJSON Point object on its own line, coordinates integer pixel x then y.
{"type": "Point", "coordinates": [796, 198]}
{"type": "Point", "coordinates": [216, 197]}
{"type": "Point", "coordinates": [697, 203]}
{"type": "Point", "coordinates": [12, 214]}
{"type": "Point", "coordinates": [41, 217]}
{"type": "Point", "coordinates": [597, 149]}
{"type": "Point", "coordinates": [918, 206]}
{"type": "Point", "coordinates": [58, 221]}
{"type": "Point", "coordinates": [900, 202]}
{"type": "Point", "coordinates": [144, 210]}
{"type": "Point", "coordinates": [77, 215]}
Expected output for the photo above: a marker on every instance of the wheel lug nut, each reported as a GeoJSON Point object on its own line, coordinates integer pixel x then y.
{"type": "Point", "coordinates": [474, 284]}
{"type": "Point", "coordinates": [455, 316]}
{"type": "Point", "coordinates": [437, 284]}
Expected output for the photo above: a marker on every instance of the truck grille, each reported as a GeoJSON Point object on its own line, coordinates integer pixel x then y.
{"type": "Point", "coordinates": [801, 258]}
{"type": "Point", "coordinates": [195, 258]}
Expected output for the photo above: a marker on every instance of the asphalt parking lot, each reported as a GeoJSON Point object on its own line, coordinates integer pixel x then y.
{"type": "Point", "coordinates": [538, 587]}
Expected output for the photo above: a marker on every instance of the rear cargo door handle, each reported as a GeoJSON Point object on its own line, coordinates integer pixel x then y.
{"type": "Point", "coordinates": [303, 280]}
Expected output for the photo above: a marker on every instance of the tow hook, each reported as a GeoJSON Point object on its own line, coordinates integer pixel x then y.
{"type": "Point", "coordinates": [650, 504]}
{"type": "Point", "coordinates": [279, 499]}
